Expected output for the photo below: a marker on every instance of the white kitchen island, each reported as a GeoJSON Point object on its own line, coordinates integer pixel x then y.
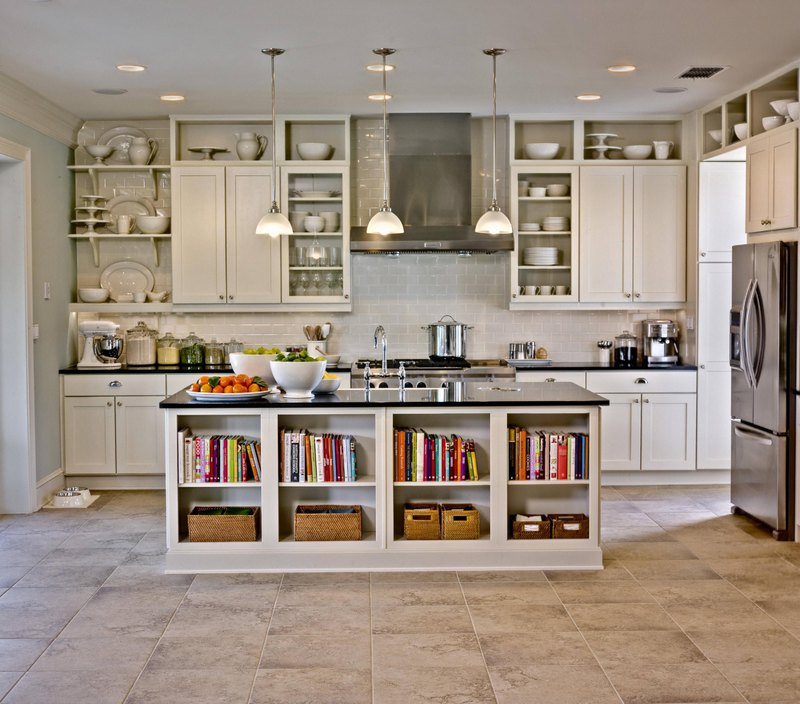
{"type": "Point", "coordinates": [482, 412]}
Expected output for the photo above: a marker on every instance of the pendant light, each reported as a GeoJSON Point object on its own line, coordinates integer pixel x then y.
{"type": "Point", "coordinates": [493, 222]}
{"type": "Point", "coordinates": [385, 222]}
{"type": "Point", "coordinates": [273, 223]}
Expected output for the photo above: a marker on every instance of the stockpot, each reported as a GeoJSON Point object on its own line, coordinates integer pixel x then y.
{"type": "Point", "coordinates": [447, 339]}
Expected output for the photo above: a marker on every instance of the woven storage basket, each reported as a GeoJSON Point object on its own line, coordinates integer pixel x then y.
{"type": "Point", "coordinates": [205, 526]}
{"type": "Point", "coordinates": [570, 525]}
{"type": "Point", "coordinates": [460, 522]}
{"type": "Point", "coordinates": [530, 530]}
{"type": "Point", "coordinates": [324, 523]}
{"type": "Point", "coordinates": [421, 522]}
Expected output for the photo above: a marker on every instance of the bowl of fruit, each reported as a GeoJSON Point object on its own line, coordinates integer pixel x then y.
{"type": "Point", "coordinates": [328, 385]}
{"type": "Point", "coordinates": [254, 362]}
{"type": "Point", "coordinates": [297, 373]}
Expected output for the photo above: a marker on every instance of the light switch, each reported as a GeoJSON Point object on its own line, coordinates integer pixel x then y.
{"type": "Point", "coordinates": [35, 331]}
{"type": "Point", "coordinates": [46, 290]}
{"type": "Point", "coordinates": [690, 322]}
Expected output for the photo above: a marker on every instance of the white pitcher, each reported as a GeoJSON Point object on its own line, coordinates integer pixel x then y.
{"type": "Point", "coordinates": [663, 149]}
{"type": "Point", "coordinates": [142, 150]}
{"type": "Point", "coordinates": [249, 145]}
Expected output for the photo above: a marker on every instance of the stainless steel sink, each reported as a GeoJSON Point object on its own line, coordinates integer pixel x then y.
{"type": "Point", "coordinates": [388, 395]}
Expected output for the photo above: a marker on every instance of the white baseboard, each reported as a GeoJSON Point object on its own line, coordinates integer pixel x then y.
{"type": "Point", "coordinates": [117, 482]}
{"type": "Point", "coordinates": [666, 478]}
{"type": "Point", "coordinates": [49, 485]}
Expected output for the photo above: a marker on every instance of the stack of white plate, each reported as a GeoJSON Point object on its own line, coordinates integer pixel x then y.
{"type": "Point", "coordinates": [553, 223]}
{"type": "Point", "coordinates": [540, 256]}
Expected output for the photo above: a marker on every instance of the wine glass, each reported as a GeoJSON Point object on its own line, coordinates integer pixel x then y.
{"type": "Point", "coordinates": [314, 284]}
{"type": "Point", "coordinates": [302, 283]}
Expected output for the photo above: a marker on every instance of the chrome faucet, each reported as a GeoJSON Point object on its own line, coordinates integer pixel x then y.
{"type": "Point", "coordinates": [380, 331]}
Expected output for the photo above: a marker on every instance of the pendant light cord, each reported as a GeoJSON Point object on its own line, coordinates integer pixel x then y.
{"type": "Point", "coordinates": [494, 129]}
{"type": "Point", "coordinates": [272, 64]}
{"type": "Point", "coordinates": [385, 140]}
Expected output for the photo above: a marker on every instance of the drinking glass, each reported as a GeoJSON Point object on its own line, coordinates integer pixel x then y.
{"type": "Point", "coordinates": [334, 258]}
{"type": "Point", "coordinates": [314, 284]}
{"type": "Point", "coordinates": [302, 283]}
{"type": "Point", "coordinates": [300, 256]}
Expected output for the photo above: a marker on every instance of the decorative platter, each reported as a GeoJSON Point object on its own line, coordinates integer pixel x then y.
{"type": "Point", "coordinates": [121, 139]}
{"type": "Point", "coordinates": [126, 277]}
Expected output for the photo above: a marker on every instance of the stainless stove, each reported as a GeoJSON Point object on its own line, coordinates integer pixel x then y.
{"type": "Point", "coordinates": [426, 373]}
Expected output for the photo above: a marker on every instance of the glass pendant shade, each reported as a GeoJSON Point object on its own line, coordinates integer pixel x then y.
{"type": "Point", "coordinates": [385, 222]}
{"type": "Point", "coordinates": [274, 224]}
{"type": "Point", "coordinates": [493, 222]}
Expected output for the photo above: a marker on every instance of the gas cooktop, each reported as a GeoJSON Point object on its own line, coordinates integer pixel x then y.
{"type": "Point", "coordinates": [409, 364]}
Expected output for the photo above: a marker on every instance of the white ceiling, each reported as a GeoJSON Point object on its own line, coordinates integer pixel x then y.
{"type": "Point", "coordinates": [209, 50]}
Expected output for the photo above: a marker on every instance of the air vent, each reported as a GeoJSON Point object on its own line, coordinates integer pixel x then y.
{"type": "Point", "coordinates": [701, 71]}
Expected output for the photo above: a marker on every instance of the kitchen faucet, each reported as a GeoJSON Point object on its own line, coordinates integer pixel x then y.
{"type": "Point", "coordinates": [380, 331]}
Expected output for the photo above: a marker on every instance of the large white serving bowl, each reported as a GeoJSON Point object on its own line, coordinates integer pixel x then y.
{"type": "Point", "coordinates": [298, 379]}
{"type": "Point", "coordinates": [740, 130]}
{"type": "Point", "coordinates": [253, 365]}
{"type": "Point", "coordinates": [794, 110]}
{"type": "Point", "coordinates": [153, 224]}
{"type": "Point", "coordinates": [93, 295]}
{"type": "Point", "coordinates": [541, 150]}
{"type": "Point", "coordinates": [781, 106]}
{"type": "Point", "coordinates": [314, 151]}
{"type": "Point", "coordinates": [637, 151]}
{"type": "Point", "coordinates": [772, 121]}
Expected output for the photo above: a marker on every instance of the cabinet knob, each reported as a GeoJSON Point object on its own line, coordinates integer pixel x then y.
{"type": "Point", "coordinates": [640, 380]}
{"type": "Point", "coordinates": [627, 295]}
{"type": "Point", "coordinates": [702, 254]}
{"type": "Point", "coordinates": [637, 295]}
{"type": "Point", "coordinates": [513, 295]}
{"type": "Point", "coordinates": [108, 403]}
{"type": "Point", "coordinates": [347, 296]}
{"type": "Point", "coordinates": [119, 403]}
{"type": "Point", "coordinates": [115, 384]}
{"type": "Point", "coordinates": [550, 378]}
{"type": "Point", "coordinates": [230, 298]}
{"type": "Point", "coordinates": [645, 400]}
{"type": "Point", "coordinates": [636, 400]}
{"type": "Point", "coordinates": [221, 297]}
{"type": "Point", "coordinates": [702, 366]}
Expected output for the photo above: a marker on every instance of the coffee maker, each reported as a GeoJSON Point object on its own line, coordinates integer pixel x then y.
{"type": "Point", "coordinates": [102, 346]}
{"type": "Point", "coordinates": [660, 343]}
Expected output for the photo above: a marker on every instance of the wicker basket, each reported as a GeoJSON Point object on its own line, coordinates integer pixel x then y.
{"type": "Point", "coordinates": [460, 522]}
{"type": "Point", "coordinates": [327, 522]}
{"type": "Point", "coordinates": [530, 530]}
{"type": "Point", "coordinates": [570, 525]}
{"type": "Point", "coordinates": [421, 522]}
{"type": "Point", "coordinates": [207, 525]}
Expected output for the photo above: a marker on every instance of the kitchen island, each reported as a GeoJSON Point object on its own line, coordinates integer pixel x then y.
{"type": "Point", "coordinates": [480, 414]}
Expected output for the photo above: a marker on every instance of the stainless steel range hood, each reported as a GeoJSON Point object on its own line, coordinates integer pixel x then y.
{"type": "Point", "coordinates": [430, 169]}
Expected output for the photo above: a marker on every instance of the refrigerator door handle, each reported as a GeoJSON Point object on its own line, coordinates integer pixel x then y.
{"type": "Point", "coordinates": [744, 347]}
{"type": "Point", "coordinates": [753, 437]}
{"type": "Point", "coordinates": [757, 307]}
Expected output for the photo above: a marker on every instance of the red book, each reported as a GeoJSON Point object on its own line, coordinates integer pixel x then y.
{"type": "Point", "coordinates": [562, 457]}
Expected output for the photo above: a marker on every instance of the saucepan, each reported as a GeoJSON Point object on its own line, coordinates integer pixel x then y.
{"type": "Point", "coordinates": [447, 339]}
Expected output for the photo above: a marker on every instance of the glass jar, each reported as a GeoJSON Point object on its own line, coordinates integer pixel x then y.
{"type": "Point", "coordinates": [169, 350]}
{"type": "Point", "coordinates": [625, 353]}
{"type": "Point", "coordinates": [193, 351]}
{"type": "Point", "coordinates": [140, 345]}
{"type": "Point", "coordinates": [215, 353]}
{"type": "Point", "coordinates": [604, 352]}
{"type": "Point", "coordinates": [232, 346]}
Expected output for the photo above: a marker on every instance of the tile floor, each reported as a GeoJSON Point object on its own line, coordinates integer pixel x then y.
{"type": "Point", "coordinates": [695, 605]}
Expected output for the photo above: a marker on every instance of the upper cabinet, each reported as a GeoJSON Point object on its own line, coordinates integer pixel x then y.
{"type": "Point", "coordinates": [721, 209]}
{"type": "Point", "coordinates": [772, 181]}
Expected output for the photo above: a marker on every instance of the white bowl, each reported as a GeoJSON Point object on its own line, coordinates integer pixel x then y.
{"type": "Point", "coordinates": [156, 296]}
{"type": "Point", "coordinates": [123, 298]}
{"type": "Point", "coordinates": [541, 150]}
{"type": "Point", "coordinates": [93, 295]}
{"type": "Point", "coordinates": [99, 151]}
{"type": "Point", "coordinates": [297, 379]}
{"type": "Point", "coordinates": [313, 223]}
{"type": "Point", "coordinates": [716, 135]}
{"type": "Point", "coordinates": [153, 224]}
{"type": "Point", "coordinates": [637, 151]}
{"type": "Point", "coordinates": [740, 130]}
{"type": "Point", "coordinates": [529, 226]}
{"type": "Point", "coordinates": [794, 110]}
{"type": "Point", "coordinates": [327, 386]}
{"type": "Point", "coordinates": [332, 359]}
{"type": "Point", "coordinates": [253, 365]}
{"type": "Point", "coordinates": [772, 121]}
{"type": "Point", "coordinates": [557, 190]}
{"type": "Point", "coordinates": [314, 151]}
{"type": "Point", "coordinates": [781, 106]}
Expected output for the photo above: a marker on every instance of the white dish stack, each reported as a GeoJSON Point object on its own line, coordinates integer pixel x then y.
{"type": "Point", "coordinates": [555, 223]}
{"type": "Point", "coordinates": [540, 256]}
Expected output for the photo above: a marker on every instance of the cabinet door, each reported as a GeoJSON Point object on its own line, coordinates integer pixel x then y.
{"type": "Point", "coordinates": [713, 419]}
{"type": "Point", "coordinates": [669, 431]}
{"type": "Point", "coordinates": [659, 234]}
{"type": "Point", "coordinates": [198, 234]}
{"type": "Point", "coordinates": [89, 435]}
{"type": "Point", "coordinates": [721, 209]}
{"type": "Point", "coordinates": [140, 435]}
{"type": "Point", "coordinates": [620, 432]}
{"type": "Point", "coordinates": [783, 180]}
{"type": "Point", "coordinates": [606, 234]}
{"type": "Point", "coordinates": [713, 311]}
{"type": "Point", "coordinates": [253, 261]}
{"type": "Point", "coordinates": [758, 210]}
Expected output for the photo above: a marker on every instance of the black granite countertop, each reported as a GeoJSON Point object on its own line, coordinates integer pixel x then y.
{"type": "Point", "coordinates": [455, 394]}
{"type": "Point", "coordinates": [598, 367]}
{"type": "Point", "coordinates": [176, 369]}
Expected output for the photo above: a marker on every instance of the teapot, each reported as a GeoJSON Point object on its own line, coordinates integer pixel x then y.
{"type": "Point", "coordinates": [249, 145]}
{"type": "Point", "coordinates": [142, 151]}
{"type": "Point", "coordinates": [662, 149]}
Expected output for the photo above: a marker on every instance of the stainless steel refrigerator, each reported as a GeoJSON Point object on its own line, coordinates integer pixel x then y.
{"type": "Point", "coordinates": [763, 357]}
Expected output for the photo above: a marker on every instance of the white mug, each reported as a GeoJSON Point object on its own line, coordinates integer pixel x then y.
{"type": "Point", "coordinates": [545, 290]}
{"type": "Point", "coordinates": [528, 290]}
{"type": "Point", "coordinates": [663, 149]}
{"type": "Point", "coordinates": [317, 348]}
{"type": "Point", "coordinates": [562, 290]}
{"type": "Point", "coordinates": [124, 224]}
{"type": "Point", "coordinates": [537, 192]}
{"type": "Point", "coordinates": [139, 296]}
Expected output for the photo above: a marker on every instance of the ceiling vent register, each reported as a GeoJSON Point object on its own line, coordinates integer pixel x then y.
{"type": "Point", "coordinates": [701, 71]}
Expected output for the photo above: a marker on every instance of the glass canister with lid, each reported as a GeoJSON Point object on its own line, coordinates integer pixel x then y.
{"type": "Point", "coordinates": [232, 346]}
{"type": "Point", "coordinates": [193, 351]}
{"type": "Point", "coordinates": [215, 353]}
{"type": "Point", "coordinates": [169, 350]}
{"type": "Point", "coordinates": [625, 352]}
{"type": "Point", "coordinates": [140, 345]}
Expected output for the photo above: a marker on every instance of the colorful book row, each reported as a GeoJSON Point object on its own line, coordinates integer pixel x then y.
{"type": "Point", "coordinates": [310, 457]}
{"type": "Point", "coordinates": [420, 457]}
{"type": "Point", "coordinates": [217, 458]}
{"type": "Point", "coordinates": [547, 455]}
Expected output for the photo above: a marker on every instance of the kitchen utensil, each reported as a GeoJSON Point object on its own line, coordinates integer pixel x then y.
{"type": "Point", "coordinates": [772, 121]}
{"type": "Point", "coordinates": [537, 192]}
{"type": "Point", "coordinates": [102, 346]}
{"type": "Point", "coordinates": [663, 149]}
{"type": "Point", "coordinates": [660, 343]}
{"type": "Point", "coordinates": [139, 297]}
{"type": "Point", "coordinates": [781, 106]}
{"type": "Point", "coordinates": [326, 330]}
{"type": "Point", "coordinates": [716, 135]}
{"type": "Point", "coordinates": [130, 205]}
{"type": "Point", "coordinates": [210, 396]}
{"type": "Point", "coordinates": [317, 332]}
{"type": "Point", "coordinates": [557, 190]}
{"type": "Point", "coordinates": [168, 350]}
{"type": "Point", "coordinates": [316, 348]}
{"type": "Point", "coordinates": [156, 296]}
{"type": "Point", "coordinates": [125, 224]}
{"type": "Point", "coordinates": [794, 110]}
{"type": "Point", "coordinates": [562, 290]}
{"type": "Point", "coordinates": [215, 353]}
{"type": "Point", "coordinates": [309, 332]}
{"type": "Point", "coordinates": [601, 149]}
{"type": "Point", "coordinates": [153, 224]}
{"type": "Point", "coordinates": [541, 150]}
{"type": "Point", "coordinates": [740, 130]}
{"type": "Point", "coordinates": [126, 277]}
{"type": "Point", "coordinates": [516, 350]}
{"type": "Point", "coordinates": [250, 146]}
{"type": "Point", "coordinates": [298, 379]}
{"type": "Point", "coordinates": [625, 352]}
{"type": "Point", "coordinates": [193, 351]}
{"type": "Point", "coordinates": [208, 152]}
{"type": "Point", "coordinates": [604, 352]}
{"type": "Point", "coordinates": [313, 223]}
{"type": "Point", "coordinates": [447, 339]}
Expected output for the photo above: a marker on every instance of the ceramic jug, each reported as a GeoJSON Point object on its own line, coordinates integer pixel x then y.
{"type": "Point", "coordinates": [662, 149]}
{"type": "Point", "coordinates": [142, 150]}
{"type": "Point", "coordinates": [249, 145]}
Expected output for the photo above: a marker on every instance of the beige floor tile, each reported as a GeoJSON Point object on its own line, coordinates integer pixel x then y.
{"type": "Point", "coordinates": [153, 543]}
{"type": "Point", "coordinates": [432, 685]}
{"type": "Point", "coordinates": [240, 651]}
{"type": "Point", "coordinates": [32, 612]}
{"type": "Point", "coordinates": [319, 619]}
{"type": "Point", "coordinates": [621, 617]}
{"type": "Point", "coordinates": [502, 618]}
{"type": "Point", "coordinates": [721, 616]}
{"type": "Point", "coordinates": [18, 654]}
{"type": "Point", "coordinates": [623, 534]}
{"type": "Point", "coordinates": [502, 576]}
{"type": "Point", "coordinates": [102, 653]}
{"type": "Point", "coordinates": [445, 618]}
{"type": "Point", "coordinates": [737, 568]}
{"type": "Point", "coordinates": [785, 611]}
{"type": "Point", "coordinates": [212, 582]}
{"type": "Point", "coordinates": [763, 587]}
{"type": "Point", "coordinates": [538, 647]}
{"type": "Point", "coordinates": [203, 621]}
{"type": "Point", "coordinates": [9, 576]}
{"type": "Point", "coordinates": [634, 648]}
{"type": "Point", "coordinates": [685, 682]}
{"type": "Point", "coordinates": [71, 688]}
{"type": "Point", "coordinates": [66, 575]}
{"type": "Point", "coordinates": [21, 557]}
{"type": "Point", "coordinates": [389, 577]}
{"type": "Point", "coordinates": [186, 686]}
{"type": "Point", "coordinates": [731, 646]}
{"type": "Point", "coordinates": [764, 683]}
{"type": "Point", "coordinates": [404, 594]}
{"type": "Point", "coordinates": [324, 577]}
{"type": "Point", "coordinates": [88, 557]}
{"type": "Point", "coordinates": [601, 592]}
{"type": "Point", "coordinates": [669, 569]}
{"type": "Point", "coordinates": [257, 597]}
{"type": "Point", "coordinates": [725, 533]}
{"type": "Point", "coordinates": [93, 541]}
{"type": "Point", "coordinates": [647, 551]}
{"type": "Point", "coordinates": [552, 684]}
{"type": "Point", "coordinates": [612, 570]}
{"type": "Point", "coordinates": [698, 591]}
{"type": "Point", "coordinates": [8, 680]}
{"type": "Point", "coordinates": [316, 685]}
{"type": "Point", "coordinates": [292, 651]}
{"type": "Point", "coordinates": [724, 551]}
{"type": "Point", "coordinates": [415, 650]}
{"type": "Point", "coordinates": [509, 593]}
{"type": "Point", "coordinates": [42, 542]}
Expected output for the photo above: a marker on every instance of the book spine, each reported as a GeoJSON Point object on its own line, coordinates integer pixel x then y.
{"type": "Point", "coordinates": [562, 456]}
{"type": "Point", "coordinates": [353, 470]}
{"type": "Point", "coordinates": [294, 457]}
{"type": "Point", "coordinates": [552, 452]}
{"type": "Point", "coordinates": [511, 453]}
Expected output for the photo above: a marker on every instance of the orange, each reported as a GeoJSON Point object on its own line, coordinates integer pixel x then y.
{"type": "Point", "coordinates": [225, 382]}
{"type": "Point", "coordinates": [195, 387]}
{"type": "Point", "coordinates": [242, 378]}
{"type": "Point", "coordinates": [205, 388]}
{"type": "Point", "coordinates": [202, 380]}
{"type": "Point", "coordinates": [254, 387]}
{"type": "Point", "coordinates": [218, 389]}
{"type": "Point", "coordinates": [239, 389]}
{"type": "Point", "coordinates": [228, 389]}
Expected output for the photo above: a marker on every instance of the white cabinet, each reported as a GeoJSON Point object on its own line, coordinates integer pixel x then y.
{"type": "Point", "coordinates": [721, 209]}
{"type": "Point", "coordinates": [669, 427]}
{"type": "Point", "coordinates": [632, 234]}
{"type": "Point", "coordinates": [772, 181]}
{"type": "Point", "coordinates": [548, 375]}
{"type": "Point", "coordinates": [216, 255]}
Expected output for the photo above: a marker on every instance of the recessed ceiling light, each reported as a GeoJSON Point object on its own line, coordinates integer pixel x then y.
{"type": "Point", "coordinates": [588, 96]}
{"type": "Point", "coordinates": [109, 91]}
{"type": "Point", "coordinates": [669, 89]}
{"type": "Point", "coordinates": [131, 68]}
{"type": "Point", "coordinates": [378, 68]}
{"type": "Point", "coordinates": [380, 96]}
{"type": "Point", "coordinates": [172, 98]}
{"type": "Point", "coordinates": [622, 68]}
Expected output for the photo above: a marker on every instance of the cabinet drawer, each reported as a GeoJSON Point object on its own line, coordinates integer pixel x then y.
{"type": "Point", "coordinates": [114, 385]}
{"type": "Point", "coordinates": [578, 378]}
{"type": "Point", "coordinates": [641, 381]}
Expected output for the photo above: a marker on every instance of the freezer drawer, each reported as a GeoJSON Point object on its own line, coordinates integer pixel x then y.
{"type": "Point", "coordinates": [759, 475]}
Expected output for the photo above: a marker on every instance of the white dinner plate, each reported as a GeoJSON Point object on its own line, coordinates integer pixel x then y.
{"type": "Point", "coordinates": [126, 277]}
{"type": "Point", "coordinates": [121, 139]}
{"type": "Point", "coordinates": [206, 396]}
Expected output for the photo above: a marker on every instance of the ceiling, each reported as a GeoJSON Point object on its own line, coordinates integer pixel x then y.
{"type": "Point", "coordinates": [209, 51]}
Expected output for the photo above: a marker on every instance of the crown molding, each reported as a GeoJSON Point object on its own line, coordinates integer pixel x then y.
{"type": "Point", "coordinates": [28, 107]}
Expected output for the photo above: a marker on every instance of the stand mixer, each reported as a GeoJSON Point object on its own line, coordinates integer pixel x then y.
{"type": "Point", "coordinates": [102, 346]}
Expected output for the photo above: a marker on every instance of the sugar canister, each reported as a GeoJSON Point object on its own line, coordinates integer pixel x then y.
{"type": "Point", "coordinates": [140, 345]}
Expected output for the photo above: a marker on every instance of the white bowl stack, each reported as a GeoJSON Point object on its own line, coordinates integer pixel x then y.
{"type": "Point", "coordinates": [540, 256]}
{"type": "Point", "coordinates": [555, 223]}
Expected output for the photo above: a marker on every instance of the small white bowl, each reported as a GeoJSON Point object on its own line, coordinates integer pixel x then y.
{"type": "Point", "coordinates": [637, 151]}
{"type": "Point", "coordinates": [313, 223]}
{"type": "Point", "coordinates": [253, 365]}
{"type": "Point", "coordinates": [716, 135]}
{"type": "Point", "coordinates": [781, 106]}
{"type": "Point", "coordinates": [314, 151]}
{"type": "Point", "coordinates": [332, 359]}
{"type": "Point", "coordinates": [93, 295]}
{"type": "Point", "coordinates": [327, 386]}
{"type": "Point", "coordinates": [123, 298]}
{"type": "Point", "coordinates": [156, 296]}
{"type": "Point", "coordinates": [772, 121]}
{"type": "Point", "coordinates": [794, 110]}
{"type": "Point", "coordinates": [298, 379]}
{"type": "Point", "coordinates": [529, 226]}
{"type": "Point", "coordinates": [541, 150]}
{"type": "Point", "coordinates": [740, 130]}
{"type": "Point", "coordinates": [99, 151]}
{"type": "Point", "coordinates": [153, 224]}
{"type": "Point", "coordinates": [557, 190]}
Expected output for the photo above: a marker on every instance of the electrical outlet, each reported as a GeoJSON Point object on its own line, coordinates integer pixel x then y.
{"type": "Point", "coordinates": [46, 290]}
{"type": "Point", "coordinates": [35, 331]}
{"type": "Point", "coordinates": [690, 322]}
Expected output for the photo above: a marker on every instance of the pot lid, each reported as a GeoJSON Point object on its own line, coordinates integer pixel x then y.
{"type": "Point", "coordinates": [442, 321]}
